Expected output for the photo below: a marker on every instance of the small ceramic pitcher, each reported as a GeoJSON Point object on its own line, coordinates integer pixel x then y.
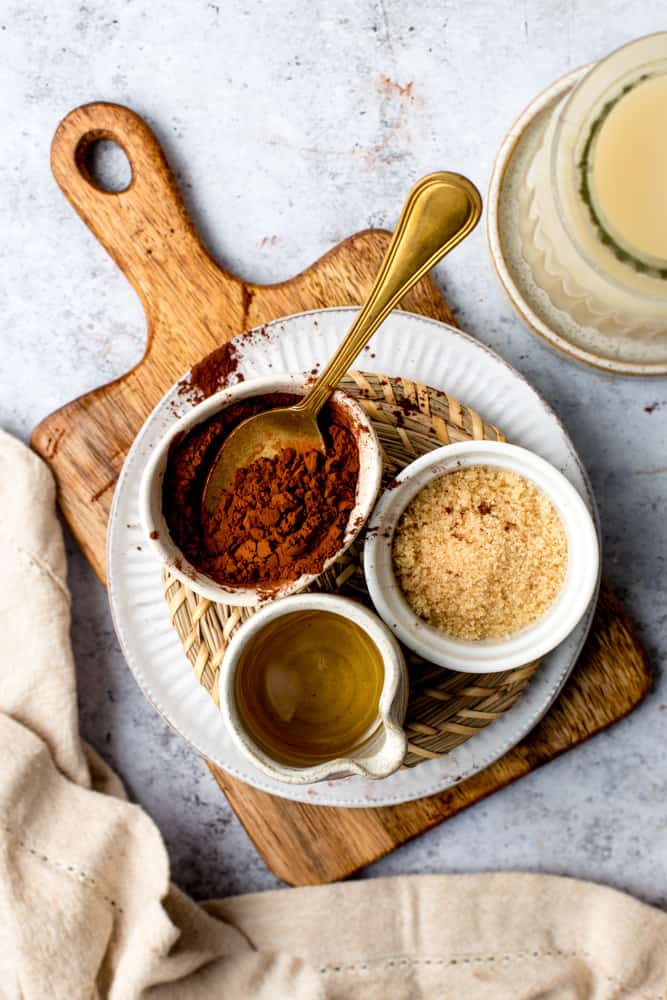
{"type": "Point", "coordinates": [382, 753]}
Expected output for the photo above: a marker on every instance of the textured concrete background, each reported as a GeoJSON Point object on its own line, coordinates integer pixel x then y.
{"type": "Point", "coordinates": [290, 129]}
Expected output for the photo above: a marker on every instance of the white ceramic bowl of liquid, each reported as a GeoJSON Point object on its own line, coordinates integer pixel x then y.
{"type": "Point", "coordinates": [592, 215]}
{"type": "Point", "coordinates": [314, 687]}
{"type": "Point", "coordinates": [492, 654]}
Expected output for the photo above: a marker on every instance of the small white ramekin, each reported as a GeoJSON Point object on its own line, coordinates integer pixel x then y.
{"type": "Point", "coordinates": [487, 655]}
{"type": "Point", "coordinates": [383, 753]}
{"type": "Point", "coordinates": [150, 490]}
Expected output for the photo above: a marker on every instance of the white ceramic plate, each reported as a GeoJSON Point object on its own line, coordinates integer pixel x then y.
{"type": "Point", "coordinates": [407, 345]}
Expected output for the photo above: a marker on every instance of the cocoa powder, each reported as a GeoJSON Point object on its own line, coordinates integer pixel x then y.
{"type": "Point", "coordinates": [281, 518]}
{"type": "Point", "coordinates": [212, 373]}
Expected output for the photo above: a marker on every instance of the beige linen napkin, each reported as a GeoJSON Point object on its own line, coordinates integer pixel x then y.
{"type": "Point", "coordinates": [86, 908]}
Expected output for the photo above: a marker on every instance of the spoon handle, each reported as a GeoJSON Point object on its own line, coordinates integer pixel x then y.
{"type": "Point", "coordinates": [439, 212]}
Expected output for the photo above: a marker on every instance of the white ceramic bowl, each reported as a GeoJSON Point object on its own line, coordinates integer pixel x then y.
{"type": "Point", "coordinates": [383, 753]}
{"type": "Point", "coordinates": [531, 642]}
{"type": "Point", "coordinates": [150, 490]}
{"type": "Point", "coordinates": [583, 275]}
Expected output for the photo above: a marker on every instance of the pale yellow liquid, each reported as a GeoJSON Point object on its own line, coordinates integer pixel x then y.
{"type": "Point", "coordinates": [629, 171]}
{"type": "Point", "coordinates": [308, 688]}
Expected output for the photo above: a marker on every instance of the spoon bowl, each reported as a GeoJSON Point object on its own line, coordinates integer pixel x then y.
{"type": "Point", "coordinates": [261, 436]}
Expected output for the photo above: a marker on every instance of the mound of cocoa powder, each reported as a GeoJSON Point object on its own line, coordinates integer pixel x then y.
{"type": "Point", "coordinates": [281, 518]}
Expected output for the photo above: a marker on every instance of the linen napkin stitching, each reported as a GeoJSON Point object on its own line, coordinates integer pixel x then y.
{"type": "Point", "coordinates": [76, 873]}
{"type": "Point", "coordinates": [403, 961]}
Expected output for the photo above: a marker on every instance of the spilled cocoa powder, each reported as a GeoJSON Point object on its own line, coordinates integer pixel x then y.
{"type": "Point", "coordinates": [221, 367]}
{"type": "Point", "coordinates": [281, 518]}
{"type": "Point", "coordinates": [212, 373]}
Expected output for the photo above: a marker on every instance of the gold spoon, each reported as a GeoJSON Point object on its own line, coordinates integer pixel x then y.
{"type": "Point", "coordinates": [440, 211]}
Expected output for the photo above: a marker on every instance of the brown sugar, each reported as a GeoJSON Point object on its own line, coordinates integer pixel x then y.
{"type": "Point", "coordinates": [480, 553]}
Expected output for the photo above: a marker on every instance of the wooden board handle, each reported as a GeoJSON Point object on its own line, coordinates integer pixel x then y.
{"type": "Point", "coordinates": [145, 227]}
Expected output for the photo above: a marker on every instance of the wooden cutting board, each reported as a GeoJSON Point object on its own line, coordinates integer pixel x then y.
{"type": "Point", "coordinates": [192, 306]}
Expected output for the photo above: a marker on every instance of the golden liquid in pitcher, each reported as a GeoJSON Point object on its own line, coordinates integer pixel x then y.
{"type": "Point", "coordinates": [308, 688]}
{"type": "Point", "coordinates": [628, 172]}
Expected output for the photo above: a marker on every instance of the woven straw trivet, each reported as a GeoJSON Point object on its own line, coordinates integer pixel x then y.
{"type": "Point", "coordinates": [445, 708]}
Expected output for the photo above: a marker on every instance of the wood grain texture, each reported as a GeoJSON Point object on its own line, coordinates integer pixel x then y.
{"type": "Point", "coordinates": [192, 306]}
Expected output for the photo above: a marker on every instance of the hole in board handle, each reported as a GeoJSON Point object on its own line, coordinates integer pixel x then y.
{"type": "Point", "coordinates": [104, 163]}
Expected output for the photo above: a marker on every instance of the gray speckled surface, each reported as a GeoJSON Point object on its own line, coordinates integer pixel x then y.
{"type": "Point", "coordinates": [290, 130]}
